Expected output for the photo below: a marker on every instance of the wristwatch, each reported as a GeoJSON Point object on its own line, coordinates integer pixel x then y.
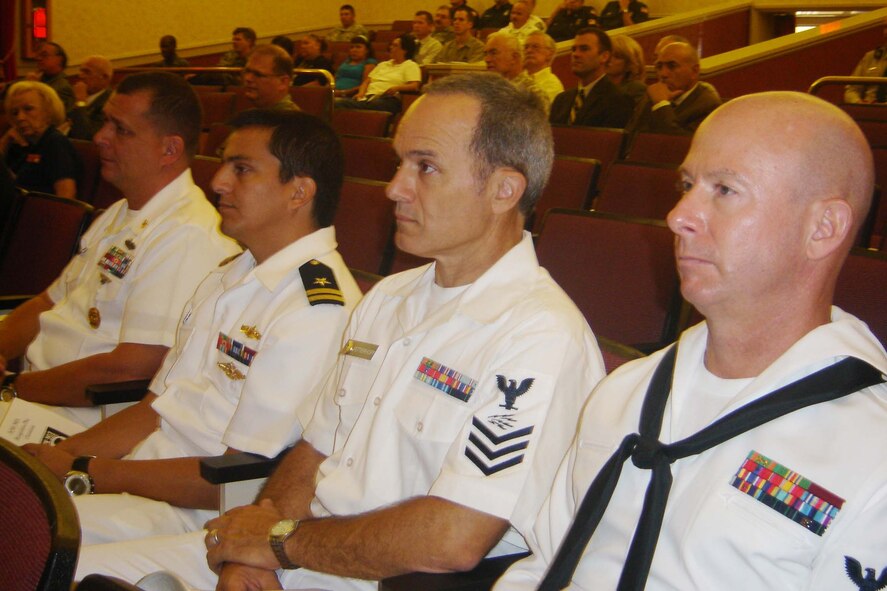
{"type": "Point", "coordinates": [7, 388]}
{"type": "Point", "coordinates": [279, 533]}
{"type": "Point", "coordinates": [77, 480]}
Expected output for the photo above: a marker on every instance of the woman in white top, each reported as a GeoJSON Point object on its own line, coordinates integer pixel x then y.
{"type": "Point", "coordinates": [379, 91]}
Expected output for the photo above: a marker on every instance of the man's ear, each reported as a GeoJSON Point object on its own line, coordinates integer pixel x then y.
{"type": "Point", "coordinates": [831, 223]}
{"type": "Point", "coordinates": [303, 191]}
{"type": "Point", "coordinates": [509, 186]}
{"type": "Point", "coordinates": [173, 149]}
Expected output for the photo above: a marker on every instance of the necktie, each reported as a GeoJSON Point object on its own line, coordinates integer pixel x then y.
{"type": "Point", "coordinates": [647, 452]}
{"type": "Point", "coordinates": [577, 105]}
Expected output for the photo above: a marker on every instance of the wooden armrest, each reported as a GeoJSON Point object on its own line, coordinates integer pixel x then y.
{"type": "Point", "coordinates": [10, 302]}
{"type": "Point", "coordinates": [117, 392]}
{"type": "Point", "coordinates": [480, 578]}
{"type": "Point", "coordinates": [236, 467]}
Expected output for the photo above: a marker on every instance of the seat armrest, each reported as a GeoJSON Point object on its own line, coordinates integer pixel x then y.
{"type": "Point", "coordinates": [11, 302]}
{"type": "Point", "coordinates": [480, 578]}
{"type": "Point", "coordinates": [117, 392]}
{"type": "Point", "coordinates": [236, 467]}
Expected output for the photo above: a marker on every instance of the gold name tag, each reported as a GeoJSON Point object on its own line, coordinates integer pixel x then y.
{"type": "Point", "coordinates": [359, 349]}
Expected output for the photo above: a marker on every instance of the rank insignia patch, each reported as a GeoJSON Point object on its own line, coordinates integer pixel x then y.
{"type": "Point", "coordinates": [235, 350]}
{"type": "Point", "coordinates": [866, 582]}
{"type": "Point", "coordinates": [492, 452]}
{"type": "Point", "coordinates": [787, 492]}
{"type": "Point", "coordinates": [320, 284]}
{"type": "Point", "coordinates": [116, 262]}
{"type": "Point", "coordinates": [447, 380]}
{"type": "Point", "coordinates": [512, 390]}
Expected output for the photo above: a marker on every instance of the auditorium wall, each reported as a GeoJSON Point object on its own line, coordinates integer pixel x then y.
{"type": "Point", "coordinates": [128, 32]}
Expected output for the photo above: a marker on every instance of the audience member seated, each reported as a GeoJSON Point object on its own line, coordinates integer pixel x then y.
{"type": "Point", "coordinates": [757, 461]}
{"type": "Point", "coordinates": [464, 47]}
{"type": "Point", "coordinates": [393, 474]}
{"type": "Point", "coordinates": [597, 102]}
{"type": "Point", "coordinates": [353, 71]}
{"type": "Point", "coordinates": [171, 59]}
{"type": "Point", "coordinates": [679, 101]}
{"type": "Point", "coordinates": [255, 344]}
{"type": "Point", "coordinates": [623, 13]}
{"type": "Point", "coordinates": [379, 91]}
{"type": "Point", "coordinates": [91, 92]}
{"type": "Point", "coordinates": [568, 17]}
{"type": "Point", "coordinates": [539, 51]}
{"type": "Point", "coordinates": [429, 47]}
{"type": "Point", "coordinates": [310, 56]}
{"type": "Point", "coordinates": [349, 28]}
{"type": "Point", "coordinates": [443, 30]}
{"type": "Point", "coordinates": [38, 154]}
{"type": "Point", "coordinates": [872, 65]}
{"type": "Point", "coordinates": [504, 55]}
{"type": "Point", "coordinates": [667, 40]}
{"type": "Point", "coordinates": [520, 24]}
{"type": "Point", "coordinates": [626, 67]}
{"type": "Point", "coordinates": [112, 313]}
{"type": "Point", "coordinates": [267, 78]}
{"type": "Point", "coordinates": [51, 63]}
{"type": "Point", "coordinates": [496, 16]}
{"type": "Point", "coordinates": [243, 39]}
{"type": "Point", "coordinates": [285, 43]}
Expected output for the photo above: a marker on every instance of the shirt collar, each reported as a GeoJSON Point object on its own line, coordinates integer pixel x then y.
{"type": "Point", "coordinates": [283, 263]}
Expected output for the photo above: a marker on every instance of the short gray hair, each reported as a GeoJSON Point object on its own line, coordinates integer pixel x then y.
{"type": "Point", "coordinates": [512, 130]}
{"type": "Point", "coordinates": [50, 99]}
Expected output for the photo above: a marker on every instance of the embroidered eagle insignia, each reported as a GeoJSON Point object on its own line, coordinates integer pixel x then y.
{"type": "Point", "coordinates": [867, 582]}
{"type": "Point", "coordinates": [512, 390]}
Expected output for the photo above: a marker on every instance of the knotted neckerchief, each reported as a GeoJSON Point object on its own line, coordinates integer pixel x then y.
{"type": "Point", "coordinates": [648, 453]}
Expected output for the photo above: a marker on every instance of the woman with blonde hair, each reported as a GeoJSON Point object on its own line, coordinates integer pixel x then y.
{"type": "Point", "coordinates": [38, 154]}
{"type": "Point", "coordinates": [626, 67]}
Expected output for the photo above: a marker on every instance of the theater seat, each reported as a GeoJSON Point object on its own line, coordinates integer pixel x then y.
{"type": "Point", "coordinates": [45, 235]}
{"type": "Point", "coordinates": [861, 289]}
{"type": "Point", "coordinates": [639, 190]}
{"type": "Point", "coordinates": [619, 271]}
{"type": "Point", "coordinates": [40, 532]}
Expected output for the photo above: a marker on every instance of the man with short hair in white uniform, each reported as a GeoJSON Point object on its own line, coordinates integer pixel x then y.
{"type": "Point", "coordinates": [457, 389]}
{"type": "Point", "coordinates": [112, 314]}
{"type": "Point", "coordinates": [255, 342]}
{"type": "Point", "coordinates": [795, 495]}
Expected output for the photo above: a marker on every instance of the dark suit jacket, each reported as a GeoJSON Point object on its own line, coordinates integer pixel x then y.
{"type": "Point", "coordinates": [605, 106]}
{"type": "Point", "coordinates": [683, 118]}
{"type": "Point", "coordinates": [86, 121]}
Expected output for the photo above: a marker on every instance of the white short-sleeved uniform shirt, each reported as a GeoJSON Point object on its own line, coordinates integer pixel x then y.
{"type": "Point", "coordinates": [131, 277]}
{"type": "Point", "coordinates": [472, 398]}
{"type": "Point", "coordinates": [254, 345]}
{"type": "Point", "coordinates": [720, 529]}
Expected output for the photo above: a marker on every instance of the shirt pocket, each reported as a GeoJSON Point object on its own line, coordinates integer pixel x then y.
{"type": "Point", "coordinates": [428, 415]}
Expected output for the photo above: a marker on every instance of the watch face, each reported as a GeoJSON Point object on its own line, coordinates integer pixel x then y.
{"type": "Point", "coordinates": [283, 527]}
{"type": "Point", "coordinates": [7, 394]}
{"type": "Point", "coordinates": [78, 483]}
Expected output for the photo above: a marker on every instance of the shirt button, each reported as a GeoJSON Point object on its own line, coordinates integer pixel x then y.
{"type": "Point", "coordinates": [341, 392]}
{"type": "Point", "coordinates": [349, 461]}
{"type": "Point", "coordinates": [377, 401]}
{"type": "Point", "coordinates": [407, 341]}
{"type": "Point", "coordinates": [419, 426]}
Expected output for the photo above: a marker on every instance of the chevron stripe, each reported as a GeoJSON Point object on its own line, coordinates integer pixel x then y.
{"type": "Point", "coordinates": [492, 469]}
{"type": "Point", "coordinates": [493, 454]}
{"type": "Point", "coordinates": [499, 439]}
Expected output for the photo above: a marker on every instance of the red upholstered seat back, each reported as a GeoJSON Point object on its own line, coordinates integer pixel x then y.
{"type": "Point", "coordinates": [25, 536]}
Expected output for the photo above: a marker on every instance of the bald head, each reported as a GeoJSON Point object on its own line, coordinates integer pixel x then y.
{"type": "Point", "coordinates": [96, 72]}
{"type": "Point", "coordinates": [818, 146]}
